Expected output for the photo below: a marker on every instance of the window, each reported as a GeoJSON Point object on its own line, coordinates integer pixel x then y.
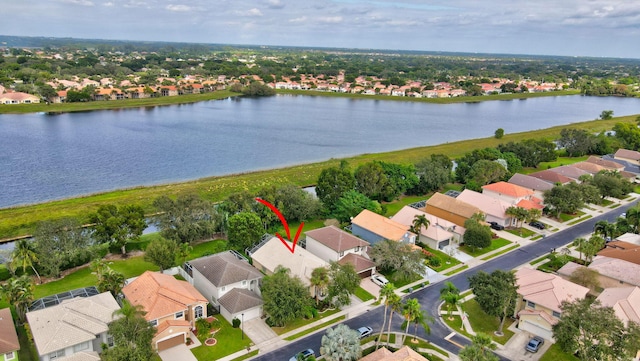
{"type": "Point", "coordinates": [81, 346]}
{"type": "Point", "coordinates": [153, 323]}
{"type": "Point", "coordinates": [55, 355]}
{"type": "Point", "coordinates": [9, 355]}
{"type": "Point", "coordinates": [223, 288]}
{"type": "Point", "coordinates": [110, 342]}
{"type": "Point", "coordinates": [341, 254]}
{"type": "Point", "coordinates": [556, 314]}
{"type": "Point", "coordinates": [531, 304]}
{"type": "Point", "coordinates": [198, 312]}
{"type": "Point", "coordinates": [244, 282]}
{"type": "Point", "coordinates": [179, 314]}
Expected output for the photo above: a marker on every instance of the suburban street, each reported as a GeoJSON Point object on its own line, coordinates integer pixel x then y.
{"type": "Point", "coordinates": [429, 296]}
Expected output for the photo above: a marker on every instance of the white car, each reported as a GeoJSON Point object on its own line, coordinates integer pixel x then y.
{"type": "Point", "coordinates": [380, 280]}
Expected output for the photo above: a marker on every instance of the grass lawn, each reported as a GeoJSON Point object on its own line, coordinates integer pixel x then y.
{"type": "Point", "coordinates": [308, 226]}
{"type": "Point", "coordinates": [363, 295]}
{"type": "Point", "coordinates": [314, 328]}
{"type": "Point", "coordinates": [567, 217]}
{"type": "Point", "coordinates": [495, 244]}
{"type": "Point", "coordinates": [554, 353]}
{"type": "Point", "coordinates": [301, 322]}
{"type": "Point", "coordinates": [521, 232]}
{"type": "Point", "coordinates": [500, 253]}
{"type": "Point", "coordinates": [400, 281]}
{"type": "Point", "coordinates": [229, 341]}
{"type": "Point", "coordinates": [460, 269]}
{"type": "Point", "coordinates": [480, 322]}
{"type": "Point", "coordinates": [250, 354]}
{"type": "Point", "coordinates": [394, 207]}
{"type": "Point", "coordinates": [207, 248]}
{"type": "Point", "coordinates": [557, 163]}
{"type": "Point", "coordinates": [446, 261]}
{"type": "Point", "coordinates": [579, 220]}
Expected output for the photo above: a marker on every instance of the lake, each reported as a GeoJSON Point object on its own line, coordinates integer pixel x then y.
{"type": "Point", "coordinates": [45, 157]}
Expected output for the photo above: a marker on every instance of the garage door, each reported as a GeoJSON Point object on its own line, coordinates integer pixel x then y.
{"type": "Point", "coordinates": [365, 274]}
{"type": "Point", "coordinates": [535, 329]}
{"type": "Point", "coordinates": [174, 341]}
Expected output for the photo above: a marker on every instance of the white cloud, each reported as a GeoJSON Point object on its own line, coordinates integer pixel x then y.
{"type": "Point", "coordinates": [108, 4]}
{"type": "Point", "coordinates": [301, 19]}
{"type": "Point", "coordinates": [275, 4]}
{"type": "Point", "coordinates": [178, 8]}
{"type": "Point", "coordinates": [251, 12]}
{"type": "Point", "coordinates": [79, 2]}
{"type": "Point", "coordinates": [330, 19]}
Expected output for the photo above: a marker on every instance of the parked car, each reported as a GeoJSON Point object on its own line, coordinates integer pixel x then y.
{"type": "Point", "coordinates": [304, 355]}
{"type": "Point", "coordinates": [534, 344]}
{"type": "Point", "coordinates": [365, 331]}
{"type": "Point", "coordinates": [497, 226]}
{"type": "Point", "coordinates": [380, 280]}
{"type": "Point", "coordinates": [538, 225]}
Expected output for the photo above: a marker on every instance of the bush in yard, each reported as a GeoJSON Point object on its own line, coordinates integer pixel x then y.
{"type": "Point", "coordinates": [235, 323]}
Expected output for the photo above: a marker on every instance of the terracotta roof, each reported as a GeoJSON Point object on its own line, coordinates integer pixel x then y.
{"type": "Point", "coordinates": [378, 355]}
{"type": "Point", "coordinates": [529, 204]}
{"type": "Point", "coordinates": [627, 154]}
{"type": "Point", "coordinates": [161, 295]}
{"type": "Point", "coordinates": [439, 229]}
{"type": "Point", "coordinates": [71, 322]}
{"type": "Point", "coordinates": [570, 171]}
{"type": "Point", "coordinates": [239, 300]}
{"type": "Point", "coordinates": [617, 269]}
{"type": "Point", "coordinates": [403, 354]}
{"type": "Point", "coordinates": [551, 177]}
{"type": "Point", "coordinates": [381, 225]}
{"type": "Point", "coordinates": [509, 189]}
{"type": "Point", "coordinates": [487, 204]}
{"type": "Point", "coordinates": [530, 182]}
{"type": "Point", "coordinates": [224, 268]}
{"type": "Point", "coordinates": [605, 163]}
{"type": "Point", "coordinates": [359, 262]}
{"type": "Point", "coordinates": [336, 239]}
{"type": "Point", "coordinates": [18, 96]}
{"type": "Point", "coordinates": [8, 336]}
{"type": "Point", "coordinates": [301, 263]}
{"type": "Point", "coordinates": [171, 323]}
{"type": "Point", "coordinates": [546, 289]}
{"type": "Point", "coordinates": [451, 205]}
{"type": "Point", "coordinates": [547, 317]}
{"type": "Point", "coordinates": [621, 245]}
{"type": "Point", "coordinates": [629, 255]}
{"type": "Point", "coordinates": [625, 302]}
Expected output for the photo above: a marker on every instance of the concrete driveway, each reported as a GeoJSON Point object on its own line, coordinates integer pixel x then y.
{"type": "Point", "coordinates": [258, 331]}
{"type": "Point", "coordinates": [180, 352]}
{"type": "Point", "coordinates": [370, 287]}
{"type": "Point", "coordinates": [515, 348]}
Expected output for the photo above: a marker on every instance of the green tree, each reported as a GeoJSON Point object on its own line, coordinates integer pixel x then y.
{"type": "Point", "coordinates": [245, 229]}
{"type": "Point", "coordinates": [450, 294]}
{"type": "Point", "coordinates": [604, 229]}
{"type": "Point", "coordinates": [486, 171]}
{"type": "Point", "coordinates": [592, 246]}
{"type": "Point", "coordinates": [476, 235]}
{"type": "Point", "coordinates": [586, 277]}
{"type": "Point", "coordinates": [410, 311]}
{"type": "Point", "coordinates": [295, 204]}
{"type": "Point", "coordinates": [386, 293]}
{"type": "Point", "coordinates": [186, 219]}
{"type": "Point", "coordinates": [563, 199]}
{"type": "Point", "coordinates": [371, 180]}
{"type": "Point", "coordinates": [606, 114]}
{"type": "Point", "coordinates": [479, 349]}
{"type": "Point", "coordinates": [18, 291]}
{"type": "Point", "coordinates": [61, 243]}
{"type": "Point", "coordinates": [341, 344]}
{"type": "Point", "coordinates": [519, 213]}
{"type": "Point", "coordinates": [395, 306]}
{"type": "Point", "coordinates": [495, 293]}
{"type": "Point", "coordinates": [422, 318]}
{"type": "Point", "coordinates": [118, 226]}
{"type": "Point", "coordinates": [132, 335]}
{"type": "Point", "coordinates": [419, 221]}
{"type": "Point", "coordinates": [24, 255]}
{"type": "Point", "coordinates": [595, 332]}
{"type": "Point", "coordinates": [352, 203]}
{"type": "Point", "coordinates": [611, 184]}
{"type": "Point", "coordinates": [108, 279]}
{"type": "Point", "coordinates": [499, 133]}
{"type": "Point", "coordinates": [628, 134]}
{"type": "Point", "coordinates": [332, 183]}
{"type": "Point", "coordinates": [576, 142]}
{"type": "Point", "coordinates": [162, 253]}
{"type": "Point", "coordinates": [397, 256]}
{"type": "Point", "coordinates": [433, 173]}
{"type": "Point", "coordinates": [184, 250]}
{"type": "Point", "coordinates": [285, 298]}
{"type": "Point", "coordinates": [402, 178]}
{"type": "Point", "coordinates": [344, 282]}
{"type": "Point", "coordinates": [319, 280]}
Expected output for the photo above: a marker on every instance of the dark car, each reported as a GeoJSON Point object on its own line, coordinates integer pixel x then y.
{"type": "Point", "coordinates": [496, 226]}
{"type": "Point", "coordinates": [538, 225]}
{"type": "Point", "coordinates": [303, 355]}
{"type": "Point", "coordinates": [365, 331]}
{"type": "Point", "coordinates": [534, 344]}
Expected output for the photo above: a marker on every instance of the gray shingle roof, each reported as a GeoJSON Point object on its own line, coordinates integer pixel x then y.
{"type": "Point", "coordinates": [224, 268]}
{"type": "Point", "coordinates": [240, 299]}
{"type": "Point", "coordinates": [336, 239]}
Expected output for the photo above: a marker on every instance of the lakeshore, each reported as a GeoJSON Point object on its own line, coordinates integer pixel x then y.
{"type": "Point", "coordinates": [21, 220]}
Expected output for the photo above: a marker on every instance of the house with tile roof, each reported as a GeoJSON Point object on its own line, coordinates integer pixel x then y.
{"type": "Point", "coordinates": [403, 354]}
{"type": "Point", "coordinates": [571, 172]}
{"type": "Point", "coordinates": [615, 272]}
{"type": "Point", "coordinates": [625, 251]}
{"type": "Point", "coordinates": [18, 98]}
{"type": "Point", "coordinates": [374, 228]}
{"type": "Point", "coordinates": [625, 302]}
{"type": "Point", "coordinates": [493, 208]}
{"type": "Point", "coordinates": [609, 164]}
{"type": "Point", "coordinates": [551, 177]}
{"type": "Point", "coordinates": [229, 283]}
{"type": "Point", "coordinates": [589, 167]}
{"type": "Point", "coordinates": [9, 344]}
{"type": "Point", "coordinates": [440, 232]}
{"type": "Point", "coordinates": [627, 155]}
{"type": "Point", "coordinates": [74, 329]}
{"type": "Point", "coordinates": [335, 245]}
{"type": "Point", "coordinates": [513, 194]}
{"type": "Point", "coordinates": [450, 209]}
{"type": "Point", "coordinates": [300, 264]}
{"type": "Point", "coordinates": [540, 296]}
{"type": "Point", "coordinates": [538, 186]}
{"type": "Point", "coordinates": [171, 305]}
{"type": "Point", "coordinates": [629, 238]}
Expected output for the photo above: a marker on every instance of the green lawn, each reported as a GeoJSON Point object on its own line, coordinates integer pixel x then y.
{"type": "Point", "coordinates": [495, 244]}
{"type": "Point", "coordinates": [363, 295]}
{"type": "Point", "coordinates": [302, 322]}
{"type": "Point", "coordinates": [314, 328]}
{"type": "Point", "coordinates": [394, 207]}
{"type": "Point", "coordinates": [446, 261]}
{"type": "Point", "coordinates": [208, 248]}
{"type": "Point", "coordinates": [459, 269]}
{"type": "Point", "coordinates": [480, 322]}
{"type": "Point", "coordinates": [557, 163]}
{"type": "Point", "coordinates": [554, 353]}
{"type": "Point", "coordinates": [400, 281]}
{"type": "Point", "coordinates": [500, 252]}
{"type": "Point", "coordinates": [308, 226]}
{"type": "Point", "coordinates": [229, 341]}
{"type": "Point", "coordinates": [521, 232]}
{"type": "Point", "coordinates": [567, 217]}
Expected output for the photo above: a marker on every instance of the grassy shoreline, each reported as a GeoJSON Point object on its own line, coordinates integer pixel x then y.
{"type": "Point", "coordinates": [21, 220]}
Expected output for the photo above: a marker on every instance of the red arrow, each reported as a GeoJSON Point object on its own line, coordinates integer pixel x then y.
{"type": "Point", "coordinates": [285, 224]}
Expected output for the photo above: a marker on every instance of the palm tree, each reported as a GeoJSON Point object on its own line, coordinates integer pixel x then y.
{"type": "Point", "coordinates": [452, 300]}
{"type": "Point", "coordinates": [534, 214]}
{"type": "Point", "coordinates": [319, 280]}
{"type": "Point", "coordinates": [184, 250]}
{"type": "Point", "coordinates": [24, 255]}
{"type": "Point", "coordinates": [395, 305]}
{"type": "Point", "coordinates": [633, 218]}
{"type": "Point", "coordinates": [19, 292]}
{"type": "Point", "coordinates": [579, 243]}
{"type": "Point", "coordinates": [108, 279]}
{"type": "Point", "coordinates": [341, 344]}
{"type": "Point", "coordinates": [449, 287]}
{"type": "Point", "coordinates": [385, 293]}
{"type": "Point", "coordinates": [422, 319]}
{"type": "Point", "coordinates": [410, 311]}
{"type": "Point", "coordinates": [477, 350]}
{"type": "Point", "coordinates": [605, 229]}
{"type": "Point", "coordinates": [419, 221]}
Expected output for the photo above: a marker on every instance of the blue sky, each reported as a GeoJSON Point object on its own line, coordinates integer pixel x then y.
{"type": "Point", "coordinates": [609, 28]}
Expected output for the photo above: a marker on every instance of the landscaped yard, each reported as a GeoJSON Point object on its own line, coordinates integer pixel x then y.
{"type": "Point", "coordinates": [521, 232]}
{"type": "Point", "coordinates": [567, 217]}
{"type": "Point", "coordinates": [363, 295]}
{"type": "Point", "coordinates": [301, 322]}
{"type": "Point", "coordinates": [446, 261]}
{"type": "Point", "coordinates": [229, 339]}
{"type": "Point", "coordinates": [480, 322]}
{"type": "Point", "coordinates": [554, 353]}
{"type": "Point", "coordinates": [400, 281]}
{"type": "Point", "coordinates": [394, 207]}
{"type": "Point", "coordinates": [495, 244]}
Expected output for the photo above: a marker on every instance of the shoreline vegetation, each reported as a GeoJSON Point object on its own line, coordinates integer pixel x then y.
{"type": "Point", "coordinates": [21, 220]}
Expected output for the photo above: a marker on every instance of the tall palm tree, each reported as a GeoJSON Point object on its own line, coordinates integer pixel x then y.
{"type": "Point", "coordinates": [449, 287]}
{"type": "Point", "coordinates": [19, 292]}
{"type": "Point", "coordinates": [385, 293]}
{"type": "Point", "coordinates": [410, 311]}
{"type": "Point", "coordinates": [605, 229]}
{"type": "Point", "coordinates": [579, 243]}
{"type": "Point", "coordinates": [319, 280]}
{"type": "Point", "coordinates": [452, 300]}
{"type": "Point", "coordinates": [24, 255]}
{"type": "Point", "coordinates": [422, 319]}
{"type": "Point", "coordinates": [419, 221]}
{"type": "Point", "coordinates": [341, 344]}
{"type": "Point", "coordinates": [395, 305]}
{"type": "Point", "coordinates": [633, 218]}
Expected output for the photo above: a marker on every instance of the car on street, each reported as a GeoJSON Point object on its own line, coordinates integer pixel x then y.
{"type": "Point", "coordinates": [365, 331]}
{"type": "Point", "coordinates": [538, 225]}
{"type": "Point", "coordinates": [303, 355]}
{"type": "Point", "coordinates": [380, 280]}
{"type": "Point", "coordinates": [497, 226]}
{"type": "Point", "coordinates": [534, 344]}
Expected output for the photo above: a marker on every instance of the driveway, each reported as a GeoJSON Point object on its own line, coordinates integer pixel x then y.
{"type": "Point", "coordinates": [370, 287]}
{"type": "Point", "coordinates": [258, 331]}
{"type": "Point", "coordinates": [180, 352]}
{"type": "Point", "coordinates": [514, 349]}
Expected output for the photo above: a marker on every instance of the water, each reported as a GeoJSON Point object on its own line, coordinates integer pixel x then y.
{"type": "Point", "coordinates": [45, 157]}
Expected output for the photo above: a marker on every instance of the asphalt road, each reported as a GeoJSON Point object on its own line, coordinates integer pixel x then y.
{"type": "Point", "coordinates": [429, 296]}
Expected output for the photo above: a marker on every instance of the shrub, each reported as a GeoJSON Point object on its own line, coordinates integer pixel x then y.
{"type": "Point", "coordinates": [435, 262]}
{"type": "Point", "coordinates": [235, 322]}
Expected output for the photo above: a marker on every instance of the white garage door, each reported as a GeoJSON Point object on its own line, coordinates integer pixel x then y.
{"type": "Point", "coordinates": [535, 329]}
